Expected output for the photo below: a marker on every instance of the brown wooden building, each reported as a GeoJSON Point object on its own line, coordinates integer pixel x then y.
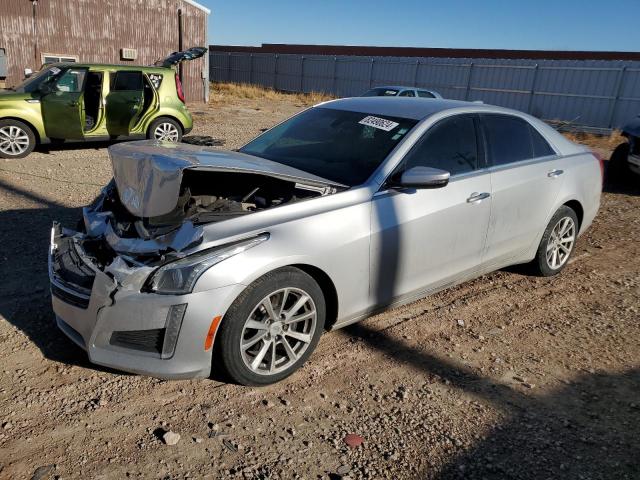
{"type": "Point", "coordinates": [34, 32]}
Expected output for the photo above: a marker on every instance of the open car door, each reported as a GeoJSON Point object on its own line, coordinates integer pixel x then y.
{"type": "Point", "coordinates": [62, 105]}
{"type": "Point", "coordinates": [177, 57]}
{"type": "Point", "coordinates": [124, 103]}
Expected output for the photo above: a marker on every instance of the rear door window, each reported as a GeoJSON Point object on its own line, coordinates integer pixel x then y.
{"type": "Point", "coordinates": [425, 94]}
{"type": "Point", "coordinates": [407, 93]}
{"type": "Point", "coordinates": [449, 145]}
{"type": "Point", "coordinates": [508, 139]}
{"type": "Point", "coordinates": [126, 81]}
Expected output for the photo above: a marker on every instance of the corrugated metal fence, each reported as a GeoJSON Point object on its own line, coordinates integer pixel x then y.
{"type": "Point", "coordinates": [600, 94]}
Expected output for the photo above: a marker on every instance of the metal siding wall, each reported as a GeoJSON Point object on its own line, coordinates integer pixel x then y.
{"type": "Point", "coordinates": [595, 93]}
{"type": "Point", "coordinates": [96, 30]}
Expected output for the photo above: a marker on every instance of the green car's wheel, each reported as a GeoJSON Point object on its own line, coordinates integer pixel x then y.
{"type": "Point", "coordinates": [17, 140]}
{"type": "Point", "coordinates": [165, 128]}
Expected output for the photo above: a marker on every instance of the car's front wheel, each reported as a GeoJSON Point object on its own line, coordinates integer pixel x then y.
{"type": "Point", "coordinates": [558, 243]}
{"type": "Point", "coordinates": [165, 128]}
{"type": "Point", "coordinates": [17, 140]}
{"type": "Point", "coordinates": [271, 328]}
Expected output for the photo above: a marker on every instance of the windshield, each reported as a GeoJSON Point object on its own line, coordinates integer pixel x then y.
{"type": "Point", "coordinates": [32, 83]}
{"type": "Point", "coordinates": [344, 147]}
{"type": "Point", "coordinates": [381, 92]}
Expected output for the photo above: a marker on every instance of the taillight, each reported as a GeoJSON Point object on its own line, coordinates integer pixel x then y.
{"type": "Point", "coordinates": [601, 162]}
{"type": "Point", "coordinates": [179, 88]}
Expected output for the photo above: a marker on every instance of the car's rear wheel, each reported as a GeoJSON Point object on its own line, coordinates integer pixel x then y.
{"type": "Point", "coordinates": [17, 140]}
{"type": "Point", "coordinates": [165, 128]}
{"type": "Point", "coordinates": [271, 329]}
{"type": "Point", "coordinates": [558, 243]}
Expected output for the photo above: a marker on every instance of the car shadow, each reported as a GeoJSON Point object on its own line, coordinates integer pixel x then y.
{"type": "Point", "coordinates": [587, 429]}
{"type": "Point", "coordinates": [25, 300]}
{"type": "Point", "coordinates": [71, 146]}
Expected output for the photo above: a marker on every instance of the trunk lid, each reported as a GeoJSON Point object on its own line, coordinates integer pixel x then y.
{"type": "Point", "coordinates": [177, 57]}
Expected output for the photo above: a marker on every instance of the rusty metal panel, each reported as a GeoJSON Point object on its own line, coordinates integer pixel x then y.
{"type": "Point", "coordinates": [95, 31]}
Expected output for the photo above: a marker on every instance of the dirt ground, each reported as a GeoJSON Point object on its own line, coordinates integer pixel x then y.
{"type": "Point", "coordinates": [507, 376]}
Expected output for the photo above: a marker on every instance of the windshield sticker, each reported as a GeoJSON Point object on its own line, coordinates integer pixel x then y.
{"type": "Point", "coordinates": [380, 123]}
{"type": "Point", "coordinates": [55, 70]}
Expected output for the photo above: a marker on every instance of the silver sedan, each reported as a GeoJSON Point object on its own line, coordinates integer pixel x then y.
{"type": "Point", "coordinates": [195, 258]}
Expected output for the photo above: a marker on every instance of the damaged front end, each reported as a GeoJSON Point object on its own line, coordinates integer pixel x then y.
{"type": "Point", "coordinates": [123, 281]}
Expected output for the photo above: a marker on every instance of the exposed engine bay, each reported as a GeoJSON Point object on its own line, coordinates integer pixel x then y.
{"type": "Point", "coordinates": [209, 197]}
{"type": "Point", "coordinates": [205, 197]}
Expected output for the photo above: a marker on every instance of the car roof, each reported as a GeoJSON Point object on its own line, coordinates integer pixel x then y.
{"type": "Point", "coordinates": [396, 87]}
{"type": "Point", "coordinates": [108, 66]}
{"type": "Point", "coordinates": [406, 107]}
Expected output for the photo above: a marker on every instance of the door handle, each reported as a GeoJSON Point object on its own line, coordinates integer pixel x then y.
{"type": "Point", "coordinates": [478, 197]}
{"type": "Point", "coordinates": [555, 173]}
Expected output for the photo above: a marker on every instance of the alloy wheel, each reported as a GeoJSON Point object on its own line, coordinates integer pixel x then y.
{"type": "Point", "coordinates": [13, 140]}
{"type": "Point", "coordinates": [166, 131]}
{"type": "Point", "coordinates": [560, 242]}
{"type": "Point", "coordinates": [278, 331]}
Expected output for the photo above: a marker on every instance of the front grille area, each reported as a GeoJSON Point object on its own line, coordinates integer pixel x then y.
{"type": "Point", "coordinates": [143, 340]}
{"type": "Point", "coordinates": [69, 298]}
{"type": "Point", "coordinates": [69, 267]}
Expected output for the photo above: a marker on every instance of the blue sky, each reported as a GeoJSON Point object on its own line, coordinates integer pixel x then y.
{"type": "Point", "coordinates": [514, 24]}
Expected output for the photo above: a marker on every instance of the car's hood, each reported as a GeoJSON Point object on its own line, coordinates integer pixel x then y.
{"type": "Point", "coordinates": [11, 96]}
{"type": "Point", "coordinates": [633, 127]}
{"type": "Point", "coordinates": [148, 173]}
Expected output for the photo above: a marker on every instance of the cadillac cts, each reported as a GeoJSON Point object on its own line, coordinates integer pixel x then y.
{"type": "Point", "coordinates": [195, 259]}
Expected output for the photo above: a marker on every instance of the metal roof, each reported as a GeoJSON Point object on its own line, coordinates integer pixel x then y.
{"type": "Point", "coordinates": [197, 5]}
{"type": "Point", "coordinates": [405, 107]}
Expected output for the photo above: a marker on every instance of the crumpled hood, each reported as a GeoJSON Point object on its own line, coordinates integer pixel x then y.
{"type": "Point", "coordinates": [148, 173]}
{"type": "Point", "coordinates": [633, 127]}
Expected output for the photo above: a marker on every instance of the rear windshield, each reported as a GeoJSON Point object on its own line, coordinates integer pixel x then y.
{"type": "Point", "coordinates": [341, 146]}
{"type": "Point", "coordinates": [381, 92]}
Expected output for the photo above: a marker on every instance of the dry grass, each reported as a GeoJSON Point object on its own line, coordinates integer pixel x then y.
{"type": "Point", "coordinates": [228, 92]}
{"type": "Point", "coordinates": [605, 142]}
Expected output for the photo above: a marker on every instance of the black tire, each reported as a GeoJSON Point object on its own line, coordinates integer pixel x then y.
{"type": "Point", "coordinates": [541, 264]}
{"type": "Point", "coordinates": [23, 142]}
{"type": "Point", "coordinates": [618, 168]}
{"type": "Point", "coordinates": [153, 133]}
{"type": "Point", "coordinates": [227, 350]}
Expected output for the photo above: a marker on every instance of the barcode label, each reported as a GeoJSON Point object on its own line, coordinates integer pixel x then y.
{"type": "Point", "coordinates": [381, 123]}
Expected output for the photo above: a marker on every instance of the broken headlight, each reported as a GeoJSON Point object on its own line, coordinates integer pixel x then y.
{"type": "Point", "coordinates": [180, 276]}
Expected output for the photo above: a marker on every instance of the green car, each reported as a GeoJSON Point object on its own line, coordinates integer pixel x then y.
{"type": "Point", "coordinates": [82, 102]}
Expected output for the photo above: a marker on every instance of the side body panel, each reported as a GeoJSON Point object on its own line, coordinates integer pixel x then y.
{"type": "Point", "coordinates": [62, 115]}
{"type": "Point", "coordinates": [123, 109]}
{"type": "Point", "coordinates": [25, 107]}
{"type": "Point", "coordinates": [333, 240]}
{"type": "Point", "coordinates": [523, 194]}
{"type": "Point", "coordinates": [423, 238]}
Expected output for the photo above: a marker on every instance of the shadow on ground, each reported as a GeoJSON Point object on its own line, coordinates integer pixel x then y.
{"type": "Point", "coordinates": [25, 300]}
{"type": "Point", "coordinates": [588, 429]}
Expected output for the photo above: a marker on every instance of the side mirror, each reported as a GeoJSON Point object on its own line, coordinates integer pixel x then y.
{"type": "Point", "coordinates": [422, 177]}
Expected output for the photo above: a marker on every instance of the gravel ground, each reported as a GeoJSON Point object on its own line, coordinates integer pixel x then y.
{"type": "Point", "coordinates": [507, 376]}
